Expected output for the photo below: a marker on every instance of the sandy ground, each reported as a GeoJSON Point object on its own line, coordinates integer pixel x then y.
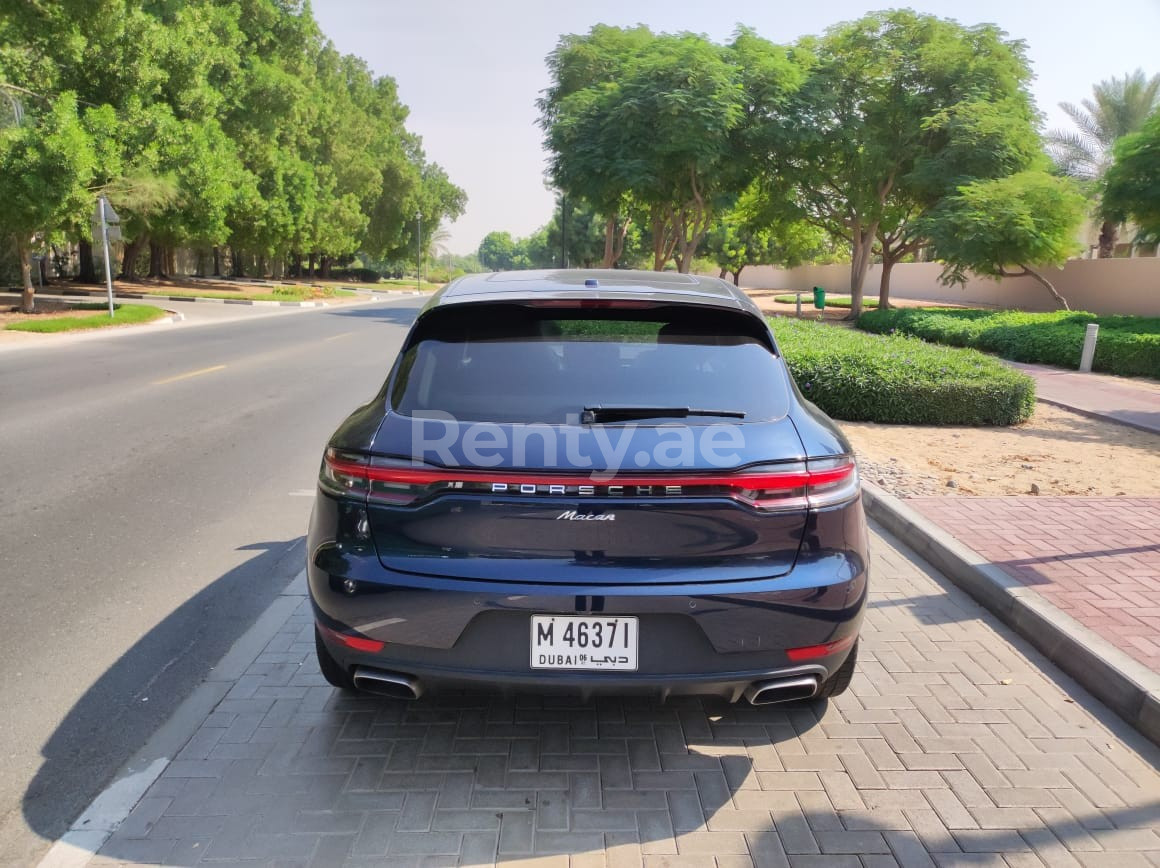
{"type": "Point", "coordinates": [1058, 451]}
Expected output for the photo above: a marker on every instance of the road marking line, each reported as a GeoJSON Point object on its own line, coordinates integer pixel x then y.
{"type": "Point", "coordinates": [303, 492]}
{"type": "Point", "coordinates": [336, 337]}
{"type": "Point", "coordinates": [188, 374]}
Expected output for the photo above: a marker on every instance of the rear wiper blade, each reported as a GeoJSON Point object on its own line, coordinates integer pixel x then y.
{"type": "Point", "coordinates": [620, 413]}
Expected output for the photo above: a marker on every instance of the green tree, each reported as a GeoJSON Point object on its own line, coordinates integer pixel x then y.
{"type": "Point", "coordinates": [740, 237]}
{"type": "Point", "coordinates": [498, 251]}
{"type": "Point", "coordinates": [1007, 227]}
{"type": "Point", "coordinates": [45, 164]}
{"type": "Point", "coordinates": [585, 73]}
{"type": "Point", "coordinates": [864, 147]}
{"type": "Point", "coordinates": [650, 125]}
{"type": "Point", "coordinates": [1132, 189]}
{"type": "Point", "coordinates": [1119, 107]}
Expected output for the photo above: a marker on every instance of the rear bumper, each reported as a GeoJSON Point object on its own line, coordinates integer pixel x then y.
{"type": "Point", "coordinates": [712, 638]}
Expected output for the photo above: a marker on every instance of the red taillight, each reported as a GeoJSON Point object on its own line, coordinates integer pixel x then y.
{"type": "Point", "coordinates": [813, 652]}
{"type": "Point", "coordinates": [357, 643]}
{"type": "Point", "coordinates": [802, 485]}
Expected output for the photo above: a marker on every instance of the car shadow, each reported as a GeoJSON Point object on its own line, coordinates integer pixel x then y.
{"type": "Point", "coordinates": [399, 314]}
{"type": "Point", "coordinates": [120, 711]}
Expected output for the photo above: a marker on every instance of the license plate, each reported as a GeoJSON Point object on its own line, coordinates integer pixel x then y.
{"type": "Point", "coordinates": [584, 642]}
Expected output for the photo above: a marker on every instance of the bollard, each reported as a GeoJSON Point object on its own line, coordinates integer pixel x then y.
{"type": "Point", "coordinates": [799, 305]}
{"type": "Point", "coordinates": [1089, 347]}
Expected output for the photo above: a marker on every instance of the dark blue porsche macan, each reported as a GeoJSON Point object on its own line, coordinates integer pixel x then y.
{"type": "Point", "coordinates": [589, 481]}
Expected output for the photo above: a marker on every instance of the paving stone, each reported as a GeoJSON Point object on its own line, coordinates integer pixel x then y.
{"type": "Point", "coordinates": [929, 760]}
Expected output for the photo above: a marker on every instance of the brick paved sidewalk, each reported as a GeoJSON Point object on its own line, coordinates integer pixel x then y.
{"type": "Point", "coordinates": [1096, 558]}
{"type": "Point", "coordinates": [1134, 402]}
{"type": "Point", "coordinates": [957, 745]}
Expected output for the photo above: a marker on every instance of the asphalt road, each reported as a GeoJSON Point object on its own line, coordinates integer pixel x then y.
{"type": "Point", "coordinates": [154, 493]}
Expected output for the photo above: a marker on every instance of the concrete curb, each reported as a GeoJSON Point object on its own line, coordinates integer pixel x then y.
{"type": "Point", "coordinates": [1126, 686]}
{"type": "Point", "coordinates": [1096, 414]}
{"type": "Point", "coordinates": [156, 297]}
{"type": "Point", "coordinates": [108, 810]}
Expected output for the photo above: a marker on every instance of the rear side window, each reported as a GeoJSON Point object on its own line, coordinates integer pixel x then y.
{"type": "Point", "coordinates": [510, 363]}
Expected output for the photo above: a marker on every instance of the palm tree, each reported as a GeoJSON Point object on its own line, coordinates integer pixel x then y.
{"type": "Point", "coordinates": [438, 243]}
{"type": "Point", "coordinates": [1120, 106]}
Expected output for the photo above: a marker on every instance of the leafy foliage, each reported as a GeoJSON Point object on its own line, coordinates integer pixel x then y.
{"type": "Point", "coordinates": [650, 128]}
{"type": "Point", "coordinates": [1127, 345]}
{"type": "Point", "coordinates": [900, 380]}
{"type": "Point", "coordinates": [1118, 107]}
{"type": "Point", "coordinates": [1133, 182]}
{"type": "Point", "coordinates": [228, 122]}
{"type": "Point", "coordinates": [1024, 220]}
{"type": "Point", "coordinates": [897, 110]}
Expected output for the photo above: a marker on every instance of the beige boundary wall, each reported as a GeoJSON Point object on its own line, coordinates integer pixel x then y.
{"type": "Point", "coordinates": [1106, 286]}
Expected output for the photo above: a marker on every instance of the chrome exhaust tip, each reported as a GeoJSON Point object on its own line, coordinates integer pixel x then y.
{"type": "Point", "coordinates": [392, 684]}
{"type": "Point", "coordinates": [782, 690]}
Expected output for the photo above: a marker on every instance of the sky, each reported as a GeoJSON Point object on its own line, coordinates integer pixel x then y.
{"type": "Point", "coordinates": [471, 70]}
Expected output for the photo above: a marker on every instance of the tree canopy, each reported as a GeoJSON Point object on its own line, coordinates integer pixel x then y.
{"type": "Point", "coordinates": [228, 123]}
{"type": "Point", "coordinates": [644, 126]}
{"type": "Point", "coordinates": [1133, 182]}
{"type": "Point", "coordinates": [1022, 222]}
{"type": "Point", "coordinates": [897, 110]}
{"type": "Point", "coordinates": [1118, 107]}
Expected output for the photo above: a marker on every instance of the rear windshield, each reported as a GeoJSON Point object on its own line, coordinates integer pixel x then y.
{"type": "Point", "coordinates": [508, 363]}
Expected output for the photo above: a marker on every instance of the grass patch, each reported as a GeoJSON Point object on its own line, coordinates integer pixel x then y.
{"type": "Point", "coordinates": [842, 301]}
{"type": "Point", "coordinates": [900, 380]}
{"type": "Point", "coordinates": [1127, 345]}
{"type": "Point", "coordinates": [280, 293]}
{"type": "Point", "coordinates": [123, 314]}
{"type": "Point", "coordinates": [404, 283]}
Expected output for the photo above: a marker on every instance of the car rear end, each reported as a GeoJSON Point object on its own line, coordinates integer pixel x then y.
{"type": "Point", "coordinates": [589, 494]}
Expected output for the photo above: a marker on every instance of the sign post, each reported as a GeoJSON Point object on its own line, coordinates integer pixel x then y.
{"type": "Point", "coordinates": [110, 226]}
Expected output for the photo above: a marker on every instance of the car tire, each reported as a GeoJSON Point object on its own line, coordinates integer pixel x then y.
{"type": "Point", "coordinates": [332, 671]}
{"type": "Point", "coordinates": [840, 680]}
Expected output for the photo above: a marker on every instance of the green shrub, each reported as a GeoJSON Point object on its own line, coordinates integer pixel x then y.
{"type": "Point", "coordinates": [1127, 345]}
{"type": "Point", "coordinates": [900, 380]}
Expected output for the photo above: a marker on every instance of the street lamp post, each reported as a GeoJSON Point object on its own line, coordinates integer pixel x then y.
{"type": "Point", "coordinates": [419, 253]}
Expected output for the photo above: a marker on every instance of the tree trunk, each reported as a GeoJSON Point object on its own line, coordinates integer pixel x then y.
{"type": "Point", "coordinates": [324, 267]}
{"type": "Point", "coordinates": [884, 284]}
{"type": "Point", "coordinates": [1038, 278]}
{"type": "Point", "coordinates": [129, 258]}
{"type": "Point", "coordinates": [262, 265]}
{"type": "Point", "coordinates": [621, 234]}
{"type": "Point", "coordinates": [239, 262]}
{"type": "Point", "coordinates": [28, 295]}
{"type": "Point", "coordinates": [861, 247]}
{"type": "Point", "coordinates": [610, 256]}
{"type": "Point", "coordinates": [724, 273]}
{"type": "Point", "coordinates": [295, 265]}
{"type": "Point", "coordinates": [310, 266]}
{"type": "Point", "coordinates": [171, 260]}
{"type": "Point", "coordinates": [88, 269]}
{"type": "Point", "coordinates": [1107, 239]}
{"type": "Point", "coordinates": [217, 261]}
{"type": "Point", "coordinates": [156, 260]}
{"type": "Point", "coordinates": [737, 276]}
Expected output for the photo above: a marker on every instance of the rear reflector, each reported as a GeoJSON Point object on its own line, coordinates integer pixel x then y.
{"type": "Point", "coordinates": [812, 652]}
{"type": "Point", "coordinates": [357, 643]}
{"type": "Point", "coordinates": [801, 485]}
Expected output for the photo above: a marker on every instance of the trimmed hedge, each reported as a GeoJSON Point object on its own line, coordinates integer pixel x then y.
{"type": "Point", "coordinates": [900, 380]}
{"type": "Point", "coordinates": [1127, 345]}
